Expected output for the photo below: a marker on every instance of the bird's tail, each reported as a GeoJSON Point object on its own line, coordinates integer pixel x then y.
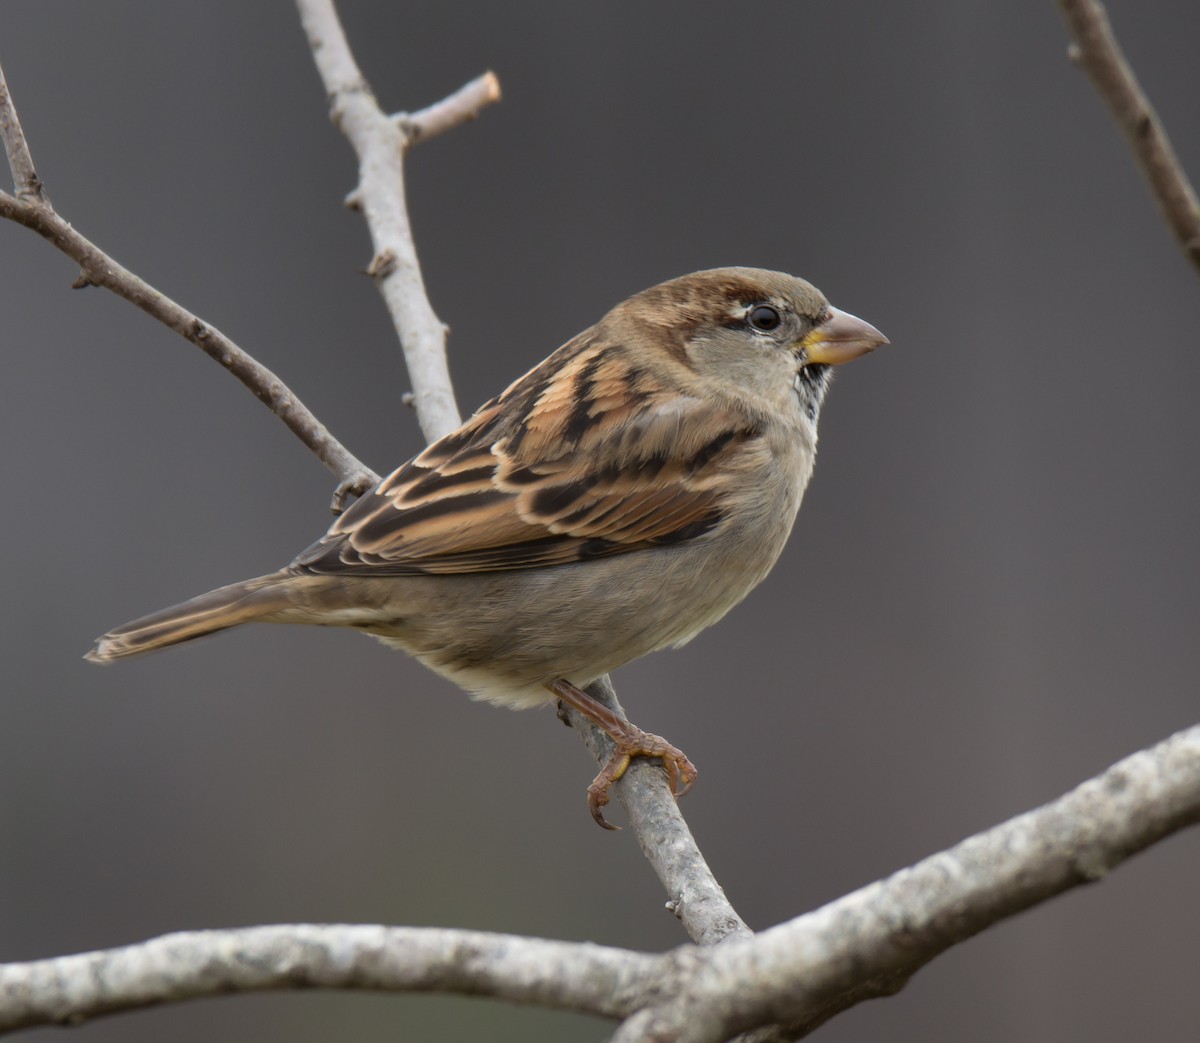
{"type": "Point", "coordinates": [217, 610]}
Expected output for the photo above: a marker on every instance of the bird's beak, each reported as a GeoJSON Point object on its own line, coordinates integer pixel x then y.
{"type": "Point", "coordinates": [840, 338]}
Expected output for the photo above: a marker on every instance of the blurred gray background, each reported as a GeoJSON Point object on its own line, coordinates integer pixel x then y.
{"type": "Point", "coordinates": [990, 594]}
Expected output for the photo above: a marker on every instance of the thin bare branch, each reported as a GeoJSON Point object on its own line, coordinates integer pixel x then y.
{"type": "Point", "coordinates": [31, 208]}
{"type": "Point", "coordinates": [379, 142]}
{"type": "Point", "coordinates": [98, 269]}
{"type": "Point", "coordinates": [193, 964]}
{"type": "Point", "coordinates": [463, 105]}
{"type": "Point", "coordinates": [1097, 50]}
{"type": "Point", "coordinates": [26, 183]}
{"type": "Point", "coordinates": [666, 841]}
{"type": "Point", "coordinates": [696, 897]}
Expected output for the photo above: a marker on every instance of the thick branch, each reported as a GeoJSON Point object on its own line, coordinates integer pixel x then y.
{"type": "Point", "coordinates": [379, 142]}
{"type": "Point", "coordinates": [1097, 50]}
{"type": "Point", "coordinates": [869, 942]}
{"type": "Point", "coordinates": [864, 945]}
{"type": "Point", "coordinates": [193, 964]}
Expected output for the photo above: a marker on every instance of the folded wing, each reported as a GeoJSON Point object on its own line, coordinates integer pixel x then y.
{"type": "Point", "coordinates": [586, 456]}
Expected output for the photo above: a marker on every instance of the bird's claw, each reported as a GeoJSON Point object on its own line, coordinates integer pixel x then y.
{"type": "Point", "coordinates": [678, 767]}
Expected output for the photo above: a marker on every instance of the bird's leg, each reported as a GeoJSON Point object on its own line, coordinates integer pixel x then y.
{"type": "Point", "coordinates": [629, 742]}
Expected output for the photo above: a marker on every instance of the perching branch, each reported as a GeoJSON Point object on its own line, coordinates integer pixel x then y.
{"type": "Point", "coordinates": [663, 834]}
{"type": "Point", "coordinates": [1096, 49]}
{"type": "Point", "coordinates": [30, 207]}
{"type": "Point", "coordinates": [379, 141]}
{"type": "Point", "coordinates": [864, 945]}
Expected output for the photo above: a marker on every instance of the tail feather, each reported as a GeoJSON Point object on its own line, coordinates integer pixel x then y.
{"type": "Point", "coordinates": [217, 610]}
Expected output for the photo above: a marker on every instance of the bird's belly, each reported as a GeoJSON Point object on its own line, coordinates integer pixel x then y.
{"type": "Point", "coordinates": [502, 641]}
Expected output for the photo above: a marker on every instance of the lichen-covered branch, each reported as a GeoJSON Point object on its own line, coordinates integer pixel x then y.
{"type": "Point", "coordinates": [796, 975]}
{"type": "Point", "coordinates": [872, 940]}
{"type": "Point", "coordinates": [194, 964]}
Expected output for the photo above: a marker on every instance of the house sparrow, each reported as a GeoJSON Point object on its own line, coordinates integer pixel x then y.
{"type": "Point", "coordinates": [619, 498]}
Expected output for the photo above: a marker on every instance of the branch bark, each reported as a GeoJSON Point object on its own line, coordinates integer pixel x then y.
{"type": "Point", "coordinates": [464, 104]}
{"type": "Point", "coordinates": [872, 940]}
{"type": "Point", "coordinates": [1096, 49]}
{"type": "Point", "coordinates": [380, 142]}
{"type": "Point", "coordinates": [192, 964]}
{"type": "Point", "coordinates": [797, 974]}
{"type": "Point", "coordinates": [695, 897]}
{"type": "Point", "coordinates": [20, 161]}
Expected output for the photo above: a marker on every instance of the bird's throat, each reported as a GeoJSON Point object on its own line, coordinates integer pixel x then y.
{"type": "Point", "coordinates": [810, 386]}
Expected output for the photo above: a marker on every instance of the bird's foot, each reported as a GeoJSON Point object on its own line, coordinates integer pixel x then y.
{"type": "Point", "coordinates": [629, 741]}
{"type": "Point", "coordinates": [681, 772]}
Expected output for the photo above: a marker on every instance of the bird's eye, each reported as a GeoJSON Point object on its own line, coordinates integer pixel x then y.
{"type": "Point", "coordinates": [764, 317]}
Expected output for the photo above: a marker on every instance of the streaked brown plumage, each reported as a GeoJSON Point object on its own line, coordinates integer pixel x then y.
{"type": "Point", "coordinates": [618, 498]}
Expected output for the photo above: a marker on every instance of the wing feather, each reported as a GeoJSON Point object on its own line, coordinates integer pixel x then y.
{"type": "Point", "coordinates": [586, 456]}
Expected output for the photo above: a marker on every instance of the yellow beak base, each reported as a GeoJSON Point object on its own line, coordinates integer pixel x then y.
{"type": "Point", "coordinates": [840, 338]}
